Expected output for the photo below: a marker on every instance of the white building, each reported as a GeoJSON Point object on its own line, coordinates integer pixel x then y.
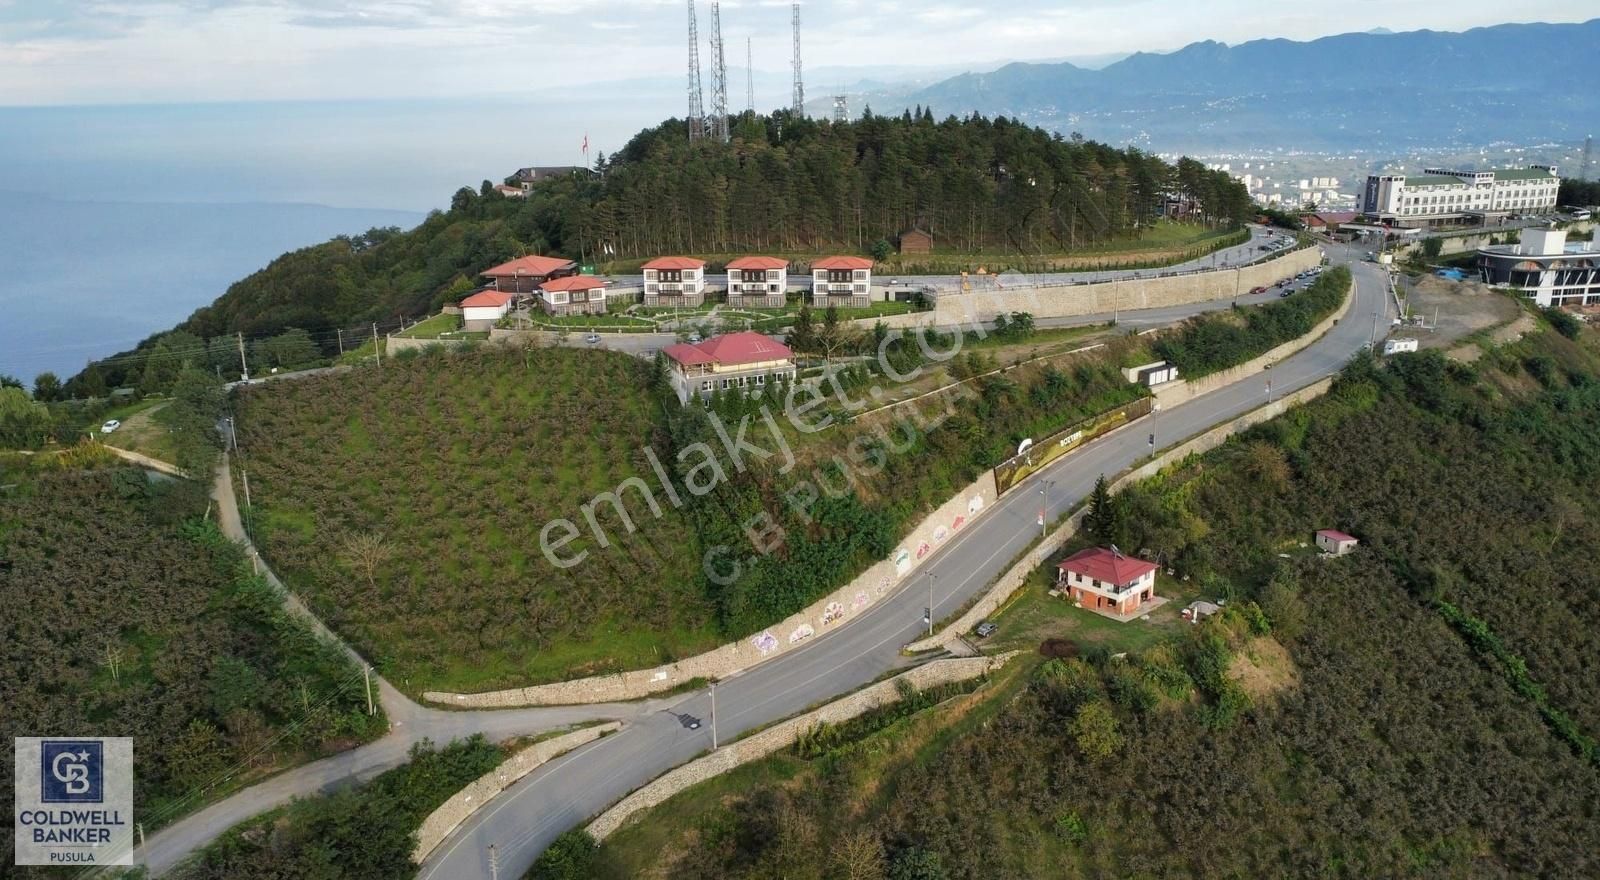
{"type": "Point", "coordinates": [1441, 197]}
{"type": "Point", "coordinates": [1397, 346]}
{"type": "Point", "coordinates": [1545, 268]}
{"type": "Point", "coordinates": [481, 310]}
{"type": "Point", "coordinates": [573, 295]}
{"type": "Point", "coordinates": [841, 281]}
{"type": "Point", "coordinates": [674, 281]}
{"type": "Point", "coordinates": [758, 282]}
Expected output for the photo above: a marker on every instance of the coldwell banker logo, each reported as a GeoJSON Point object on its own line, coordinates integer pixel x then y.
{"type": "Point", "coordinates": [74, 802]}
{"type": "Point", "coordinates": [71, 772]}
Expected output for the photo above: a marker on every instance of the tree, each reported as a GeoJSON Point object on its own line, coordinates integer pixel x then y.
{"type": "Point", "coordinates": [366, 552]}
{"type": "Point", "coordinates": [916, 863]}
{"type": "Point", "coordinates": [46, 387]}
{"type": "Point", "coordinates": [569, 857]}
{"type": "Point", "coordinates": [802, 336]}
{"type": "Point", "coordinates": [1431, 247]}
{"type": "Point", "coordinates": [24, 423]}
{"type": "Point", "coordinates": [881, 249]}
{"type": "Point", "coordinates": [9, 381]}
{"type": "Point", "coordinates": [1103, 520]}
{"type": "Point", "coordinates": [1094, 731]}
{"type": "Point", "coordinates": [197, 756]}
{"type": "Point", "coordinates": [859, 856]}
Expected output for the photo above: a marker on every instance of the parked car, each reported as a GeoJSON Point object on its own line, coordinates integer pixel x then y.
{"type": "Point", "coordinates": [987, 629]}
{"type": "Point", "coordinates": [110, 426]}
{"type": "Point", "coordinates": [694, 338]}
{"type": "Point", "coordinates": [1261, 289]}
{"type": "Point", "coordinates": [592, 339]}
{"type": "Point", "coordinates": [1285, 293]}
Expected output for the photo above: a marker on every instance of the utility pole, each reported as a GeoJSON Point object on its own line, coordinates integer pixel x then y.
{"type": "Point", "coordinates": [494, 863]}
{"type": "Point", "coordinates": [1044, 506]}
{"type": "Point", "coordinates": [713, 716]}
{"type": "Point", "coordinates": [931, 577]}
{"type": "Point", "coordinates": [341, 343]}
{"type": "Point", "coordinates": [376, 348]}
{"type": "Point", "coordinates": [366, 672]}
{"type": "Point", "coordinates": [244, 365]}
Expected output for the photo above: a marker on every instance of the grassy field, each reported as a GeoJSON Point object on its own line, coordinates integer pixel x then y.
{"type": "Point", "coordinates": [451, 464]}
{"type": "Point", "coordinates": [433, 328]}
{"type": "Point", "coordinates": [142, 433]}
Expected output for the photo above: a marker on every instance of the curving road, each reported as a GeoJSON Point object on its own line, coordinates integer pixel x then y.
{"type": "Point", "coordinates": [523, 820]}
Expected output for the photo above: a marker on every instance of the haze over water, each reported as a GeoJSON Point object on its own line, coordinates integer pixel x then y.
{"type": "Point", "coordinates": [117, 222]}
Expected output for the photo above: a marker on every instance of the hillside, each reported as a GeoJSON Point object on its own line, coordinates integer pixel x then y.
{"type": "Point", "coordinates": [1425, 707]}
{"type": "Point", "coordinates": [124, 612]}
{"type": "Point", "coordinates": [784, 185]}
{"type": "Point", "coordinates": [1351, 91]}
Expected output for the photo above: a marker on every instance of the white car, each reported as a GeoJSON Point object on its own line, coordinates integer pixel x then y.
{"type": "Point", "coordinates": [110, 426]}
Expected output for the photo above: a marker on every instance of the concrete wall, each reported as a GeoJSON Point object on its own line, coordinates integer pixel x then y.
{"type": "Point", "coordinates": [943, 526]}
{"type": "Point", "coordinates": [1460, 244]}
{"type": "Point", "coordinates": [463, 803]}
{"type": "Point", "coordinates": [1012, 580]}
{"type": "Point", "coordinates": [1174, 393]}
{"type": "Point", "coordinates": [1135, 293]}
{"type": "Point", "coordinates": [782, 735]}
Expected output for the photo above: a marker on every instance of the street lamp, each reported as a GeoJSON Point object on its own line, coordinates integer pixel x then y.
{"type": "Point", "coordinates": [1044, 505]}
{"type": "Point", "coordinates": [929, 615]}
{"type": "Point", "coordinates": [713, 716]}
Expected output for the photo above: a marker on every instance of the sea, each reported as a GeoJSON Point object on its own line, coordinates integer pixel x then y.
{"type": "Point", "coordinates": [119, 221]}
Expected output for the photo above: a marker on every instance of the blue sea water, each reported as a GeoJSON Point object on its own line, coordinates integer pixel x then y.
{"type": "Point", "coordinates": [119, 221]}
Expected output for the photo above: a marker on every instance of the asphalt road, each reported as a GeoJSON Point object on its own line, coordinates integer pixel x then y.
{"type": "Point", "coordinates": [569, 790]}
{"type": "Point", "coordinates": [1231, 256]}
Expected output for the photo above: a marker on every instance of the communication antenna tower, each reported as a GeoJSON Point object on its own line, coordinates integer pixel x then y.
{"type": "Point", "coordinates": [799, 85]}
{"type": "Point", "coordinates": [697, 105]}
{"type": "Point", "coordinates": [719, 78]}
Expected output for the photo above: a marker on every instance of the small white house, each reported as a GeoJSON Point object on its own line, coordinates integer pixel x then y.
{"type": "Point", "coordinates": [1396, 346]}
{"type": "Point", "coordinates": [1335, 542]}
{"type": "Point", "coordinates": [481, 310]}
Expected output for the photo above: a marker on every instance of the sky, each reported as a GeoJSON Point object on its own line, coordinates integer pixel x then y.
{"type": "Point", "coordinates": [179, 51]}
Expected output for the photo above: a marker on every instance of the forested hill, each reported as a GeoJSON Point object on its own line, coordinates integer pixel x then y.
{"type": "Point", "coordinates": [784, 184]}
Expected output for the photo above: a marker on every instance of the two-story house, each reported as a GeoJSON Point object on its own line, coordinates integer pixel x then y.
{"type": "Point", "coordinates": [841, 281]}
{"type": "Point", "coordinates": [757, 282]}
{"type": "Point", "coordinates": [1107, 581]}
{"type": "Point", "coordinates": [573, 295]}
{"type": "Point", "coordinates": [674, 282]}
{"type": "Point", "coordinates": [748, 361]}
{"type": "Point", "coordinates": [524, 274]}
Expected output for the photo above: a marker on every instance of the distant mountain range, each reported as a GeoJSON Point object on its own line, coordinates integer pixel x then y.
{"type": "Point", "coordinates": [1515, 82]}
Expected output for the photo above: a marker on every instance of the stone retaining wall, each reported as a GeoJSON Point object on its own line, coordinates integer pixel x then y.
{"type": "Point", "coordinates": [1058, 301]}
{"type": "Point", "coordinates": [145, 461]}
{"type": "Point", "coordinates": [463, 803]}
{"type": "Point", "coordinates": [782, 735]}
{"type": "Point", "coordinates": [943, 526]}
{"type": "Point", "coordinates": [1174, 393]}
{"type": "Point", "coordinates": [1012, 580]}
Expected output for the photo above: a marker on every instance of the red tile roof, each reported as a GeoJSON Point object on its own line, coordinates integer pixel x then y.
{"type": "Point", "coordinates": [486, 299]}
{"type": "Point", "coordinates": [1334, 534]}
{"type": "Point", "coordinates": [731, 350]}
{"type": "Point", "coordinates": [842, 263]}
{"type": "Point", "coordinates": [532, 264]}
{"type": "Point", "coordinates": [1107, 566]}
{"type": "Point", "coordinates": [573, 282]}
{"type": "Point", "coordinates": [674, 263]}
{"type": "Point", "coordinates": [759, 263]}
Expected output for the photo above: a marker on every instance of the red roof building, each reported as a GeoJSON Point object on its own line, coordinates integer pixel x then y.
{"type": "Point", "coordinates": [573, 295]}
{"type": "Point", "coordinates": [674, 282]}
{"type": "Point", "coordinates": [758, 282]}
{"type": "Point", "coordinates": [1108, 581]}
{"type": "Point", "coordinates": [1335, 542]}
{"type": "Point", "coordinates": [845, 282]}
{"type": "Point", "coordinates": [525, 274]}
{"type": "Point", "coordinates": [481, 310]}
{"type": "Point", "coordinates": [746, 360]}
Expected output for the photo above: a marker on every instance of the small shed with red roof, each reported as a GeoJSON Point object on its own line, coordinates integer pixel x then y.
{"type": "Point", "coordinates": [525, 274]}
{"type": "Point", "coordinates": [746, 361]}
{"type": "Point", "coordinates": [1107, 580]}
{"type": "Point", "coordinates": [1335, 542]}
{"type": "Point", "coordinates": [841, 281]}
{"type": "Point", "coordinates": [758, 282]}
{"type": "Point", "coordinates": [481, 310]}
{"type": "Point", "coordinates": [674, 282]}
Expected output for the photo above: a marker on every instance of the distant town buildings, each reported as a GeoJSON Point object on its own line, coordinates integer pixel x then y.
{"type": "Point", "coordinates": [1444, 197]}
{"type": "Point", "coordinates": [525, 178]}
{"type": "Point", "coordinates": [745, 361]}
{"type": "Point", "coordinates": [1543, 266]}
